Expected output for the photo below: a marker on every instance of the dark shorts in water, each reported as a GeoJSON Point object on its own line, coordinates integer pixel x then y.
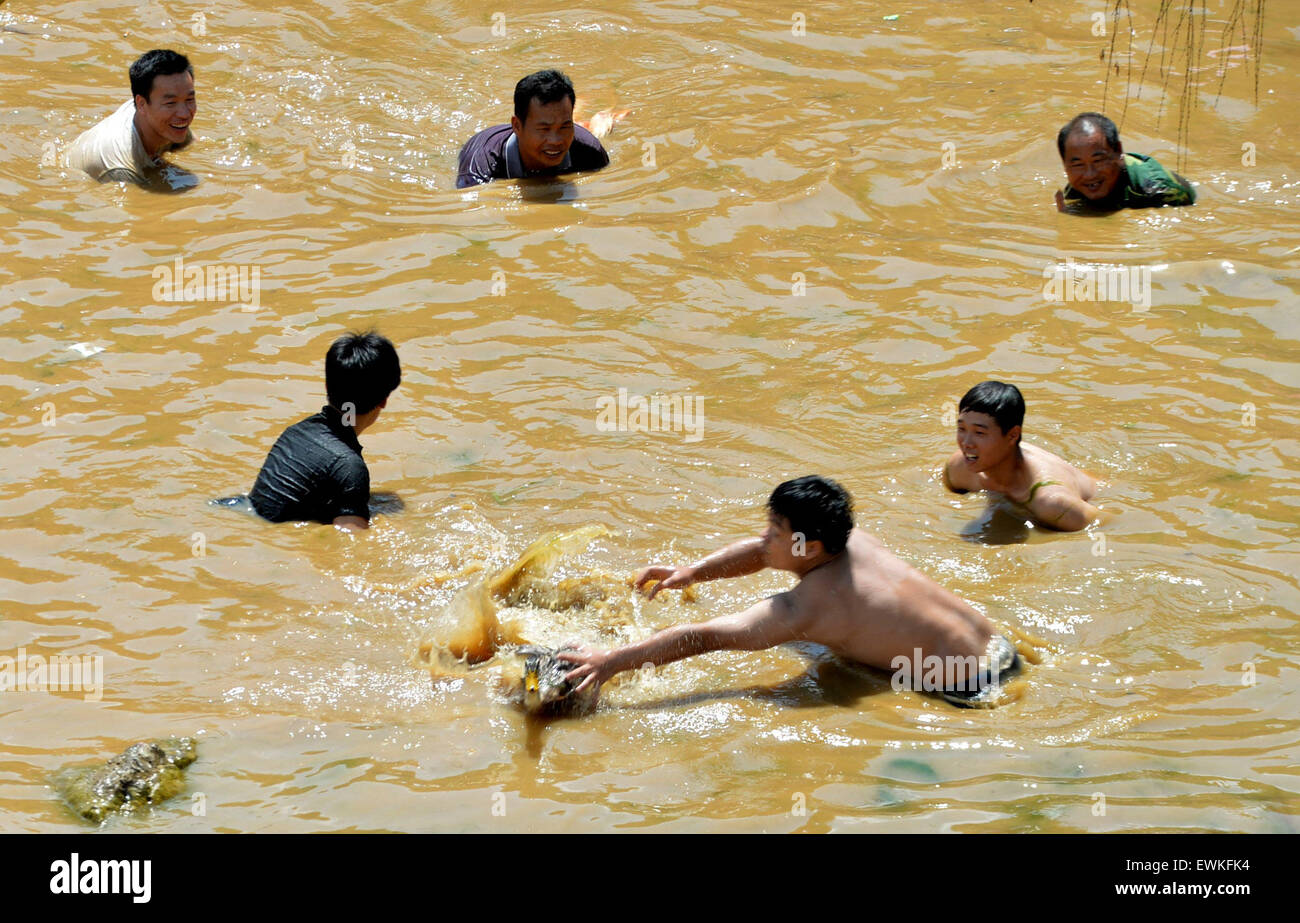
{"type": "Point", "coordinates": [982, 691]}
{"type": "Point", "coordinates": [388, 504]}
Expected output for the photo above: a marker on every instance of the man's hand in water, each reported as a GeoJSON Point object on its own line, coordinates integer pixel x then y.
{"type": "Point", "coordinates": [670, 578]}
{"type": "Point", "coordinates": [591, 667]}
{"type": "Point", "coordinates": [1060, 201]}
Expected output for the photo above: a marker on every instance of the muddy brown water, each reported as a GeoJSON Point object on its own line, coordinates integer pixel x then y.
{"type": "Point", "coordinates": [779, 236]}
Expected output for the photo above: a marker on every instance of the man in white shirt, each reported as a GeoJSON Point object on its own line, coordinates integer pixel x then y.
{"type": "Point", "coordinates": [129, 144]}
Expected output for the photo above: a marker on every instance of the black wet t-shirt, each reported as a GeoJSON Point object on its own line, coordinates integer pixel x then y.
{"type": "Point", "coordinates": [314, 472]}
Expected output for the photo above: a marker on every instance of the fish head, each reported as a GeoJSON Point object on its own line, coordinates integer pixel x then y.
{"type": "Point", "coordinates": [532, 683]}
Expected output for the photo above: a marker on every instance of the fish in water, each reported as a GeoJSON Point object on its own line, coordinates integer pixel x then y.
{"type": "Point", "coordinates": [603, 122]}
{"type": "Point", "coordinates": [547, 690]}
{"type": "Point", "coordinates": [478, 634]}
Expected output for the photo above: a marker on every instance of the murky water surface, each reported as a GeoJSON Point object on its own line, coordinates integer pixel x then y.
{"type": "Point", "coordinates": [779, 236]}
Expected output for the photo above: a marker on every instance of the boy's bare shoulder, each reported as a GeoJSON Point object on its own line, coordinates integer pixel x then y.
{"type": "Point", "coordinates": [1048, 470]}
{"type": "Point", "coordinates": [861, 548]}
{"type": "Point", "coordinates": [957, 484]}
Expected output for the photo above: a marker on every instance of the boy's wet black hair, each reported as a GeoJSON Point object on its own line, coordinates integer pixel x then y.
{"type": "Point", "coordinates": [1000, 401]}
{"type": "Point", "coordinates": [546, 86]}
{"type": "Point", "coordinates": [361, 369]}
{"type": "Point", "coordinates": [816, 506]}
{"type": "Point", "coordinates": [160, 62]}
{"type": "Point", "coordinates": [1088, 122]}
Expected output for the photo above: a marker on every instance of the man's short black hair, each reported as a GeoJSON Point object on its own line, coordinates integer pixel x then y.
{"type": "Point", "coordinates": [816, 506]}
{"type": "Point", "coordinates": [157, 63]}
{"type": "Point", "coordinates": [546, 86]}
{"type": "Point", "coordinates": [361, 369]}
{"type": "Point", "coordinates": [1000, 401]}
{"type": "Point", "coordinates": [1088, 122]}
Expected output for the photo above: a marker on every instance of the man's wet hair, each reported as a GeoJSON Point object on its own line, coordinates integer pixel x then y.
{"type": "Point", "coordinates": [361, 369]}
{"type": "Point", "coordinates": [816, 506]}
{"type": "Point", "coordinates": [548, 86]}
{"type": "Point", "coordinates": [1088, 122]}
{"type": "Point", "coordinates": [1000, 401]}
{"type": "Point", "coordinates": [161, 62]}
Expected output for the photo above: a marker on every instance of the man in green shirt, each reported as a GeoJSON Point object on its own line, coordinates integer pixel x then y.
{"type": "Point", "coordinates": [1104, 178]}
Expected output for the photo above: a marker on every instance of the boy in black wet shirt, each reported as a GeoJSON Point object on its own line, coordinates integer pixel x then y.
{"type": "Point", "coordinates": [315, 470]}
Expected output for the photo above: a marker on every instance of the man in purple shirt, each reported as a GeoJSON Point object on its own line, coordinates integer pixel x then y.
{"type": "Point", "coordinates": [541, 139]}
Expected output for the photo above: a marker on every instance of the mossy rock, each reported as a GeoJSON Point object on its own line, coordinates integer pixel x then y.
{"type": "Point", "coordinates": [145, 774]}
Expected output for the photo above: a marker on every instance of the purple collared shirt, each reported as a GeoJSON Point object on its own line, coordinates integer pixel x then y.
{"type": "Point", "coordinates": [493, 153]}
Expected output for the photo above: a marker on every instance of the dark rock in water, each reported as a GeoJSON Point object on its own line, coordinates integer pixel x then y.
{"type": "Point", "coordinates": [547, 690]}
{"type": "Point", "coordinates": [146, 773]}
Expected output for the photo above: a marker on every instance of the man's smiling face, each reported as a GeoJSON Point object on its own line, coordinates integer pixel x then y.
{"type": "Point", "coordinates": [982, 441]}
{"type": "Point", "coordinates": [1091, 165]}
{"type": "Point", "coordinates": [545, 136]}
{"type": "Point", "coordinates": [170, 108]}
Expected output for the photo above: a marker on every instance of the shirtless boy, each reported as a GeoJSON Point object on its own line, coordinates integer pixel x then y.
{"type": "Point", "coordinates": [990, 456]}
{"type": "Point", "coordinates": [854, 596]}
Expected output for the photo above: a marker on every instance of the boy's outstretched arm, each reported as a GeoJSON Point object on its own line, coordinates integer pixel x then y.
{"type": "Point", "coordinates": [1059, 510]}
{"type": "Point", "coordinates": [766, 624]}
{"type": "Point", "coordinates": [736, 560]}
